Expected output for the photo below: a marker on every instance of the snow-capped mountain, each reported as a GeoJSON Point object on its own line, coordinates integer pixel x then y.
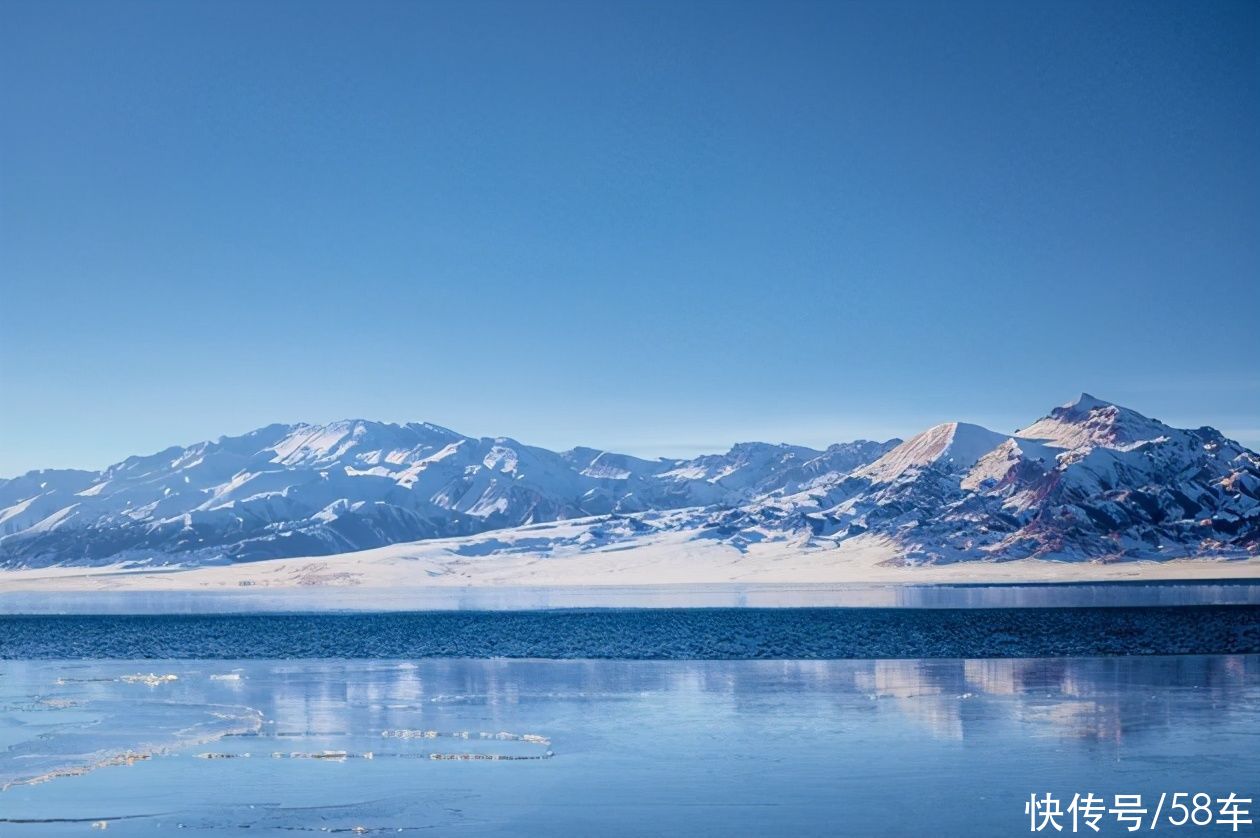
{"type": "Point", "coordinates": [1091, 480]}
{"type": "Point", "coordinates": [293, 490]}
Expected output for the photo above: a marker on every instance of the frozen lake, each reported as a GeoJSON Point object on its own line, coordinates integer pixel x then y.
{"type": "Point", "coordinates": [905, 747]}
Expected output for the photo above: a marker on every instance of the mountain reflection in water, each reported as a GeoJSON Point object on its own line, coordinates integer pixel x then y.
{"type": "Point", "coordinates": [695, 747]}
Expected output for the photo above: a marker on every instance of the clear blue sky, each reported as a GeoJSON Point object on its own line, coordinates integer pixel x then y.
{"type": "Point", "coordinates": [656, 227]}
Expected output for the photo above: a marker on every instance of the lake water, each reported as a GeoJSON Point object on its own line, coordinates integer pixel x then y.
{"type": "Point", "coordinates": [500, 598]}
{"type": "Point", "coordinates": [901, 747]}
{"type": "Point", "coordinates": [666, 633]}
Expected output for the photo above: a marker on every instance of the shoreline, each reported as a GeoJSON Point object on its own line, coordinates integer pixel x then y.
{"type": "Point", "coordinates": [682, 573]}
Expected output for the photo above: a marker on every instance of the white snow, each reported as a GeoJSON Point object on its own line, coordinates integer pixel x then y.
{"type": "Point", "coordinates": [957, 444]}
{"type": "Point", "coordinates": [1090, 422]}
{"type": "Point", "coordinates": [1091, 479]}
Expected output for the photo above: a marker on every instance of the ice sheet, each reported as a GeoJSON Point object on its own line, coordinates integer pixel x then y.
{"type": "Point", "coordinates": [680, 747]}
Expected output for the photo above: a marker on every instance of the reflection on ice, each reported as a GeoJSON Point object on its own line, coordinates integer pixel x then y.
{"type": "Point", "coordinates": [1099, 698]}
{"type": "Point", "coordinates": [510, 746]}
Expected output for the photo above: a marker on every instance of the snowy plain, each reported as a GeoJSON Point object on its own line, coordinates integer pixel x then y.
{"type": "Point", "coordinates": [508, 558]}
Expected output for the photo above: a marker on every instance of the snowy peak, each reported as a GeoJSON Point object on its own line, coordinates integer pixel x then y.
{"type": "Point", "coordinates": [1083, 405]}
{"type": "Point", "coordinates": [1089, 423]}
{"type": "Point", "coordinates": [955, 445]}
{"type": "Point", "coordinates": [1090, 480]}
{"type": "Point", "coordinates": [744, 457]}
{"type": "Point", "coordinates": [361, 441]}
{"type": "Point", "coordinates": [609, 465]}
{"type": "Point", "coordinates": [66, 480]}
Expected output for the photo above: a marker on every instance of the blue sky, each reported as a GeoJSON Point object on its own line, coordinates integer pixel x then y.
{"type": "Point", "coordinates": [656, 227]}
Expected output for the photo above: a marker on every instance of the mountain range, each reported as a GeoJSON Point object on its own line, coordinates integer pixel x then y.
{"type": "Point", "coordinates": [1090, 480]}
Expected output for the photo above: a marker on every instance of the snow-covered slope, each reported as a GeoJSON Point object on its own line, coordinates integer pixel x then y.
{"type": "Point", "coordinates": [953, 444]}
{"type": "Point", "coordinates": [291, 490]}
{"type": "Point", "coordinates": [1091, 480]}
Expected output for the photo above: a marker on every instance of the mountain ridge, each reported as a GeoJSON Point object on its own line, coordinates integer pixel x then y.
{"type": "Point", "coordinates": [1089, 481]}
{"type": "Point", "coordinates": [288, 489]}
